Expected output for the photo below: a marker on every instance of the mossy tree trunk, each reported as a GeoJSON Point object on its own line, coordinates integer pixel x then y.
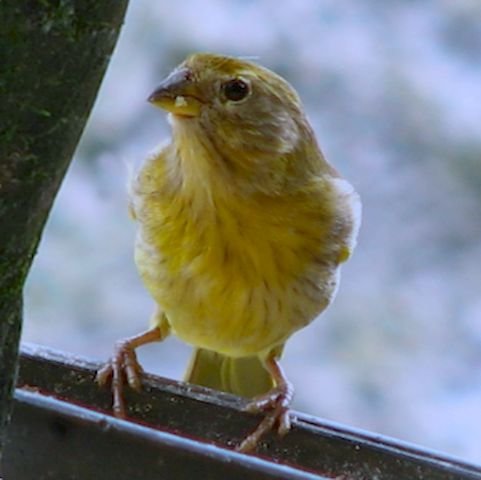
{"type": "Point", "coordinates": [53, 54]}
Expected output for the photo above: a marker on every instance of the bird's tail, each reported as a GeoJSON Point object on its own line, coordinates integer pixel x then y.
{"type": "Point", "coordinates": [245, 376]}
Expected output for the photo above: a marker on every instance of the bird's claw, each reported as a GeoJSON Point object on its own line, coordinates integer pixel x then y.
{"type": "Point", "coordinates": [277, 396]}
{"type": "Point", "coordinates": [122, 366]}
{"type": "Point", "coordinates": [276, 405]}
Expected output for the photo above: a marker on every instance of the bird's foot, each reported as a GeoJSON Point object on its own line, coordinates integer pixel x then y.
{"type": "Point", "coordinates": [275, 403]}
{"type": "Point", "coordinates": [122, 367]}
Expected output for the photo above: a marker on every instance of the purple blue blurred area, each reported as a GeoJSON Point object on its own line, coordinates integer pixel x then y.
{"type": "Point", "coordinates": [393, 90]}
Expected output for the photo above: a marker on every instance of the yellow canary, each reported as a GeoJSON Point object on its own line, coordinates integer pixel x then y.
{"type": "Point", "coordinates": [242, 226]}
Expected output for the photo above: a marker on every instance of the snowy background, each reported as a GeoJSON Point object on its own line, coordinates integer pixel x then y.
{"type": "Point", "coordinates": [393, 90]}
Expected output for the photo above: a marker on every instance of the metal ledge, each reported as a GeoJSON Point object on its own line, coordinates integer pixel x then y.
{"type": "Point", "coordinates": [62, 428]}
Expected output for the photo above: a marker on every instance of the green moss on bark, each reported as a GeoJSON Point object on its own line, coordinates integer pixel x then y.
{"type": "Point", "coordinates": [53, 56]}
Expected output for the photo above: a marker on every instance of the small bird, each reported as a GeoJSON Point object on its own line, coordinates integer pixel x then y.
{"type": "Point", "coordinates": [242, 227]}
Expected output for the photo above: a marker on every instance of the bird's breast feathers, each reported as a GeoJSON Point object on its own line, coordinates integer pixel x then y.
{"type": "Point", "coordinates": [240, 275]}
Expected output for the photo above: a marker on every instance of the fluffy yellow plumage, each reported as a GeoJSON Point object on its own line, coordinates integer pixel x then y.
{"type": "Point", "coordinates": [242, 228]}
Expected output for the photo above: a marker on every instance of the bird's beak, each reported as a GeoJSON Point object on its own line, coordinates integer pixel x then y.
{"type": "Point", "coordinates": [178, 94]}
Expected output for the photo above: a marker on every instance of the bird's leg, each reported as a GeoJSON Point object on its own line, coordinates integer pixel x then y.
{"type": "Point", "coordinates": [124, 366]}
{"type": "Point", "coordinates": [275, 403]}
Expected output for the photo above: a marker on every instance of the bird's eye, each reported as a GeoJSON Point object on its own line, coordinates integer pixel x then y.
{"type": "Point", "coordinates": [235, 90]}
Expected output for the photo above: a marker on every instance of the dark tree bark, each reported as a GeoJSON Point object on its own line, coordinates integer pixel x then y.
{"type": "Point", "coordinates": [53, 54]}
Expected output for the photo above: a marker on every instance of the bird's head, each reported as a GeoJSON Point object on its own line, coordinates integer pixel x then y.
{"type": "Point", "coordinates": [249, 114]}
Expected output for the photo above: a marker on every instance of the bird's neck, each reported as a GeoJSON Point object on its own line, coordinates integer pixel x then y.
{"type": "Point", "coordinates": [195, 168]}
{"type": "Point", "coordinates": [207, 173]}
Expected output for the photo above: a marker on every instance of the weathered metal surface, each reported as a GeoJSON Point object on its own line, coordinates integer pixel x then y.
{"type": "Point", "coordinates": [58, 440]}
{"type": "Point", "coordinates": [63, 429]}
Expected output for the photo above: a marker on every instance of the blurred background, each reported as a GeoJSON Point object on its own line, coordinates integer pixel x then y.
{"type": "Point", "coordinates": [393, 90]}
